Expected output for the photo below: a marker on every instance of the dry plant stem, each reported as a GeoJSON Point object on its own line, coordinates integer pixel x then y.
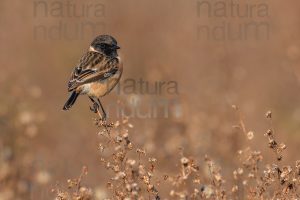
{"type": "Point", "coordinates": [277, 148]}
{"type": "Point", "coordinates": [131, 180]}
{"type": "Point", "coordinates": [103, 122]}
{"type": "Point", "coordinates": [240, 118]}
{"type": "Point", "coordinates": [83, 172]}
{"type": "Point", "coordinates": [134, 178]}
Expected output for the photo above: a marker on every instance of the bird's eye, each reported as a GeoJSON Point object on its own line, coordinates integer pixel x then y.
{"type": "Point", "coordinates": [78, 70]}
{"type": "Point", "coordinates": [102, 46]}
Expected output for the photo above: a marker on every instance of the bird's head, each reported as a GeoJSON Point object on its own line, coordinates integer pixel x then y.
{"type": "Point", "coordinates": [105, 44]}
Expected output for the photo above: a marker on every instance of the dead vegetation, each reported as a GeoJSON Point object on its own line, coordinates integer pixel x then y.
{"type": "Point", "coordinates": [133, 172]}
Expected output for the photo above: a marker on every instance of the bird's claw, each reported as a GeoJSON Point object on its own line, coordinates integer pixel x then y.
{"type": "Point", "coordinates": [103, 118]}
{"type": "Point", "coordinates": [106, 124]}
{"type": "Point", "coordinates": [94, 109]}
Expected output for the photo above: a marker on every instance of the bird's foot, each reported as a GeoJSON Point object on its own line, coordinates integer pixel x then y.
{"type": "Point", "coordinates": [101, 121]}
{"type": "Point", "coordinates": [95, 108]}
{"type": "Point", "coordinates": [105, 124]}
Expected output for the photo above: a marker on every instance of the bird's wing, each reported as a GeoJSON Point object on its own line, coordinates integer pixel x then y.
{"type": "Point", "coordinates": [87, 65]}
{"type": "Point", "coordinates": [93, 67]}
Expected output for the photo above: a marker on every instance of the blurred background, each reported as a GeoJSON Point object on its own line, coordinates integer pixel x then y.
{"type": "Point", "coordinates": [196, 59]}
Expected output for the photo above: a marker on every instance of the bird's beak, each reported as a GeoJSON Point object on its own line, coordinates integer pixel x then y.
{"type": "Point", "coordinates": [117, 47]}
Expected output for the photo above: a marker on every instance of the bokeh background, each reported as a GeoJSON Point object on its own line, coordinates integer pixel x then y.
{"type": "Point", "coordinates": [41, 42]}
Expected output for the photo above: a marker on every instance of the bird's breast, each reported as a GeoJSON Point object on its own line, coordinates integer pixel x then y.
{"type": "Point", "coordinates": [101, 88]}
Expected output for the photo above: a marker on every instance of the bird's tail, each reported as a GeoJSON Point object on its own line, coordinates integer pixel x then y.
{"type": "Point", "coordinates": [71, 101]}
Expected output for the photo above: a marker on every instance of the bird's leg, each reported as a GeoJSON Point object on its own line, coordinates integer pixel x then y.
{"type": "Point", "coordinates": [103, 111]}
{"type": "Point", "coordinates": [103, 117]}
{"type": "Point", "coordinates": [95, 107]}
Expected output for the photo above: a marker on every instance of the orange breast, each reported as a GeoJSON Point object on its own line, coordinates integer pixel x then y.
{"type": "Point", "coordinates": [99, 89]}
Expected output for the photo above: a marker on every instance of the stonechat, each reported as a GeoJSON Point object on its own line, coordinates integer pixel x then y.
{"type": "Point", "coordinates": [97, 73]}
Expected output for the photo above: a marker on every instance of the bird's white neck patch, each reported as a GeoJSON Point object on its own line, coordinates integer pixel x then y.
{"type": "Point", "coordinates": [92, 49]}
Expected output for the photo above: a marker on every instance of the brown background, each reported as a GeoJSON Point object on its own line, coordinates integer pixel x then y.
{"type": "Point", "coordinates": [159, 42]}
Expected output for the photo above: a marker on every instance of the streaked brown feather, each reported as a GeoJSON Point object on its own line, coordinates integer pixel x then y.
{"type": "Point", "coordinates": [92, 66]}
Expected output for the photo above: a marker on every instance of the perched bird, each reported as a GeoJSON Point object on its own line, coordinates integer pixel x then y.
{"type": "Point", "coordinates": [97, 73]}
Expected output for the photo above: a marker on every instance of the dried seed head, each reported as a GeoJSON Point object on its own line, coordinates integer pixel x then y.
{"type": "Point", "coordinates": [116, 168]}
{"type": "Point", "coordinates": [240, 171]}
{"type": "Point", "coordinates": [117, 123]}
{"type": "Point", "coordinates": [72, 183]}
{"type": "Point", "coordinates": [282, 147]}
{"type": "Point", "coordinates": [101, 147]}
{"type": "Point", "coordinates": [119, 175]}
{"type": "Point", "coordinates": [166, 177]}
{"type": "Point", "coordinates": [208, 191]}
{"type": "Point", "coordinates": [197, 180]}
{"type": "Point", "coordinates": [150, 187]}
{"type": "Point", "coordinates": [131, 162]}
{"type": "Point", "coordinates": [251, 175]}
{"type": "Point", "coordinates": [269, 114]}
{"type": "Point", "coordinates": [235, 175]}
{"type": "Point", "coordinates": [196, 191]}
{"type": "Point", "coordinates": [119, 139]}
{"type": "Point", "coordinates": [272, 144]}
{"type": "Point", "coordinates": [125, 135]}
{"type": "Point", "coordinates": [130, 146]}
{"type": "Point", "coordinates": [152, 160]}
{"type": "Point", "coordinates": [269, 132]}
{"type": "Point", "coordinates": [182, 196]}
{"type": "Point", "coordinates": [236, 127]}
{"type": "Point", "coordinates": [218, 177]}
{"type": "Point", "coordinates": [146, 180]}
{"type": "Point", "coordinates": [172, 193]}
{"type": "Point", "coordinates": [184, 161]}
{"type": "Point", "coordinates": [234, 189]}
{"type": "Point", "coordinates": [234, 107]}
{"type": "Point", "coordinates": [298, 167]}
{"type": "Point", "coordinates": [62, 195]}
{"type": "Point", "coordinates": [109, 185]}
{"type": "Point", "coordinates": [250, 135]}
{"type": "Point", "coordinates": [107, 165]}
{"type": "Point", "coordinates": [141, 151]}
{"type": "Point", "coordinates": [125, 120]}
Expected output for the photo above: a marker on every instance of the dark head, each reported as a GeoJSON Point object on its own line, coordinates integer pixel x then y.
{"type": "Point", "coordinates": [105, 44]}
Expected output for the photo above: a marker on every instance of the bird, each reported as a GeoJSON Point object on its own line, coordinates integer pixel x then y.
{"type": "Point", "coordinates": [98, 71]}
